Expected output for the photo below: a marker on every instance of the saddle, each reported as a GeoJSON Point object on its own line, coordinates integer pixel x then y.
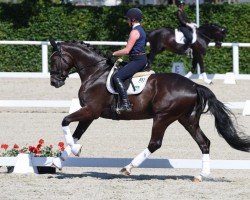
{"type": "Point", "coordinates": [133, 85]}
{"type": "Point", "coordinates": [180, 38]}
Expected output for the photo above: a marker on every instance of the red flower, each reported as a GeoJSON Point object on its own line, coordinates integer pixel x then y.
{"type": "Point", "coordinates": [61, 146]}
{"type": "Point", "coordinates": [39, 146]}
{"type": "Point", "coordinates": [16, 146]}
{"type": "Point", "coordinates": [31, 149]}
{"type": "Point", "coordinates": [35, 150]}
{"type": "Point", "coordinates": [4, 146]}
{"type": "Point", "coordinates": [51, 146]}
{"type": "Point", "coordinates": [41, 141]}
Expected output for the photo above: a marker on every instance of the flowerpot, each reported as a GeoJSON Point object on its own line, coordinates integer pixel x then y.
{"type": "Point", "coordinates": [41, 170]}
{"type": "Point", "coordinates": [46, 170]}
{"type": "Point", "coordinates": [10, 169]}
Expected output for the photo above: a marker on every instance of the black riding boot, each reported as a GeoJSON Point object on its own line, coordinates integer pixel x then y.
{"type": "Point", "coordinates": [187, 50]}
{"type": "Point", "coordinates": [125, 106]}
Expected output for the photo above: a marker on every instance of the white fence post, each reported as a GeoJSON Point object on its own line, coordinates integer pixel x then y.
{"type": "Point", "coordinates": [45, 57]}
{"type": "Point", "coordinates": [235, 58]}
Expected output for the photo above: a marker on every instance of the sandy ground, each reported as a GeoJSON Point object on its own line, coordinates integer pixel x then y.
{"type": "Point", "coordinates": [121, 139]}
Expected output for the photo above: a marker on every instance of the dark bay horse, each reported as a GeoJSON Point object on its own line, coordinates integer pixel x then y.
{"type": "Point", "coordinates": [165, 98]}
{"type": "Point", "coordinates": [164, 39]}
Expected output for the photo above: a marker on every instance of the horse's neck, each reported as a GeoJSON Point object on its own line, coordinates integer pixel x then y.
{"type": "Point", "coordinates": [89, 76]}
{"type": "Point", "coordinates": [205, 34]}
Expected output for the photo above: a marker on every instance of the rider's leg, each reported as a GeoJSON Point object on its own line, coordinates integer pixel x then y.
{"type": "Point", "coordinates": [188, 40]}
{"type": "Point", "coordinates": [125, 72]}
{"type": "Point", "coordinates": [125, 106]}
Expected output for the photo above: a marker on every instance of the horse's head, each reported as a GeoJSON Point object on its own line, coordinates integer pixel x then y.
{"type": "Point", "coordinates": [86, 60]}
{"type": "Point", "coordinates": [61, 63]}
{"type": "Point", "coordinates": [214, 32]}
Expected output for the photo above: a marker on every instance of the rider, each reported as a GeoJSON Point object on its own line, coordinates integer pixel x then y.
{"type": "Point", "coordinates": [185, 26]}
{"type": "Point", "coordinates": [135, 48]}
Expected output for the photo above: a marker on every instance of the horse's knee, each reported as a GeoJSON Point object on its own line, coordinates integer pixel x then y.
{"type": "Point", "coordinates": [65, 121]}
{"type": "Point", "coordinates": [153, 146]}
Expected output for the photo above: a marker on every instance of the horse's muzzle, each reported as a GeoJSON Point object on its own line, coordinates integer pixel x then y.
{"type": "Point", "coordinates": [218, 44]}
{"type": "Point", "coordinates": [56, 83]}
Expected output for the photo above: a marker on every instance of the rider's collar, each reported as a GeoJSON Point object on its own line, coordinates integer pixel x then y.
{"type": "Point", "coordinates": [135, 24]}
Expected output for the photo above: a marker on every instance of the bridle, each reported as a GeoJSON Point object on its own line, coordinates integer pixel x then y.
{"type": "Point", "coordinates": [217, 43]}
{"type": "Point", "coordinates": [58, 75]}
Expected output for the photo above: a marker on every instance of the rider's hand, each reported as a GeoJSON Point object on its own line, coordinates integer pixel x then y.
{"type": "Point", "coordinates": [191, 25]}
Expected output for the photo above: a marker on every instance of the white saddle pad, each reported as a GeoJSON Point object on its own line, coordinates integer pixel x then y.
{"type": "Point", "coordinates": [179, 37]}
{"type": "Point", "coordinates": [138, 81]}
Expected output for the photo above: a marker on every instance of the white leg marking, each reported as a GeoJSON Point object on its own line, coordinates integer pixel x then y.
{"type": "Point", "coordinates": [205, 165]}
{"type": "Point", "coordinates": [67, 135]}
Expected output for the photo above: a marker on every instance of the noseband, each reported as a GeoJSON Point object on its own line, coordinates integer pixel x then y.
{"type": "Point", "coordinates": [59, 74]}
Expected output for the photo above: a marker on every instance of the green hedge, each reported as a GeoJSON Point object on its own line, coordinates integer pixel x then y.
{"type": "Point", "coordinates": [38, 21]}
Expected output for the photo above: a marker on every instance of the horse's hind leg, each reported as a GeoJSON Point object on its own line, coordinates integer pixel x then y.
{"type": "Point", "coordinates": [191, 124]}
{"type": "Point", "coordinates": [159, 126]}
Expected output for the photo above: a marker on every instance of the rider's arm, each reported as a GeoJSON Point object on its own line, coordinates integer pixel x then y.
{"type": "Point", "coordinates": [134, 35]}
{"type": "Point", "coordinates": [181, 19]}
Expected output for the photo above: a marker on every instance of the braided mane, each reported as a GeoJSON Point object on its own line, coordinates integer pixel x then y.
{"type": "Point", "coordinates": [108, 56]}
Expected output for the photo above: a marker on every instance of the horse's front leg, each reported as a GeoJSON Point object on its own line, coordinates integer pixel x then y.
{"type": "Point", "coordinates": [85, 118]}
{"type": "Point", "coordinates": [80, 129]}
{"type": "Point", "coordinates": [194, 66]}
{"type": "Point", "coordinates": [202, 68]}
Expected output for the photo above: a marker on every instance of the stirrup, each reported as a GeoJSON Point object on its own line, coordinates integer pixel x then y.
{"type": "Point", "coordinates": [126, 107]}
{"type": "Point", "coordinates": [189, 52]}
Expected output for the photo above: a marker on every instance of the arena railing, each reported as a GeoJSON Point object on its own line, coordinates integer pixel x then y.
{"type": "Point", "coordinates": [45, 44]}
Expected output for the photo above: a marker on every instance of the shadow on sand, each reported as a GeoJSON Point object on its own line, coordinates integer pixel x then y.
{"type": "Point", "coordinates": [109, 176]}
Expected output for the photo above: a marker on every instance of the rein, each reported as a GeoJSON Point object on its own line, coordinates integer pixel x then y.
{"type": "Point", "coordinates": [210, 39]}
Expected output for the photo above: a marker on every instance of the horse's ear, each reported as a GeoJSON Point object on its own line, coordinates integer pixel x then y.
{"type": "Point", "coordinates": [206, 22]}
{"type": "Point", "coordinates": [53, 44]}
{"type": "Point", "coordinates": [224, 30]}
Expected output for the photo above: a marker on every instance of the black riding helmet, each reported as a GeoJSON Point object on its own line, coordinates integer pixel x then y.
{"type": "Point", "coordinates": [134, 14]}
{"type": "Point", "coordinates": [180, 2]}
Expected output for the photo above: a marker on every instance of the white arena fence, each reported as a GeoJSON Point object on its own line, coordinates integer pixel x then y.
{"type": "Point", "coordinates": [121, 162]}
{"type": "Point", "coordinates": [74, 105]}
{"type": "Point", "coordinates": [45, 70]}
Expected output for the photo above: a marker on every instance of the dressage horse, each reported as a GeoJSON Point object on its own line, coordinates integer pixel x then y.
{"type": "Point", "coordinates": [165, 98]}
{"type": "Point", "coordinates": [164, 39]}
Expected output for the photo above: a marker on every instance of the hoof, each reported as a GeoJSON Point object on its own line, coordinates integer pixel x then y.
{"type": "Point", "coordinates": [76, 149]}
{"type": "Point", "coordinates": [189, 74]}
{"type": "Point", "coordinates": [125, 172]}
{"type": "Point", "coordinates": [57, 163]}
{"type": "Point", "coordinates": [197, 179]}
{"type": "Point", "coordinates": [209, 82]}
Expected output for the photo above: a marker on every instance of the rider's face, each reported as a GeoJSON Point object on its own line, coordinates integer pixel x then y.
{"type": "Point", "coordinates": [181, 6]}
{"type": "Point", "coordinates": [129, 22]}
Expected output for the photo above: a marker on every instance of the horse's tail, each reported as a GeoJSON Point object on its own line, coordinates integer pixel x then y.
{"type": "Point", "coordinates": [223, 122]}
